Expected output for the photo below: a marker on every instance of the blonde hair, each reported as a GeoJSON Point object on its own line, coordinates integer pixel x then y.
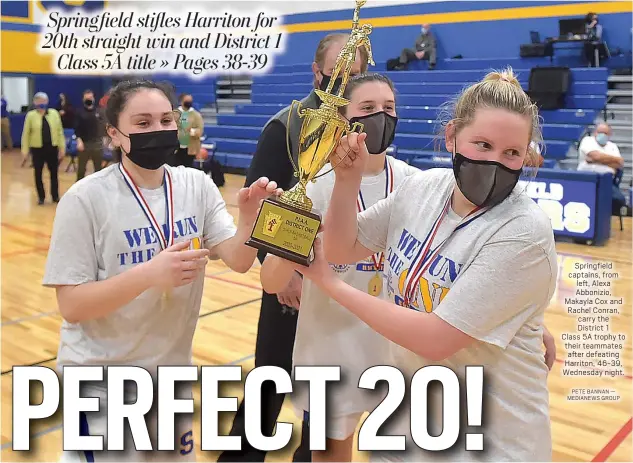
{"type": "Point", "coordinates": [498, 89]}
{"type": "Point", "coordinates": [324, 45]}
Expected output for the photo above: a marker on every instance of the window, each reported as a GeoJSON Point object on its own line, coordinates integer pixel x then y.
{"type": "Point", "coordinates": [17, 92]}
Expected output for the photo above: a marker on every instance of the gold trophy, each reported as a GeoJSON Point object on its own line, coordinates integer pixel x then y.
{"type": "Point", "coordinates": [287, 226]}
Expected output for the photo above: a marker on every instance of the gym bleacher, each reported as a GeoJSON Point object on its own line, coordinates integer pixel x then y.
{"type": "Point", "coordinates": [420, 94]}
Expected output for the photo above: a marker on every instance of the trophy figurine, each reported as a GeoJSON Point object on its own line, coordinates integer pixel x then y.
{"type": "Point", "coordinates": [287, 226]}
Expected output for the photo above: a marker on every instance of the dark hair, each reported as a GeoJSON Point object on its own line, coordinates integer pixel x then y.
{"type": "Point", "coordinates": [360, 79]}
{"type": "Point", "coordinates": [589, 17]}
{"type": "Point", "coordinates": [86, 91]}
{"type": "Point", "coordinates": [121, 93]}
{"type": "Point", "coordinates": [182, 96]}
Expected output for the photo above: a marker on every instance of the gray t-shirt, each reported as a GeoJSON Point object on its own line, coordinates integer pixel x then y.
{"type": "Point", "coordinates": [492, 280]}
{"type": "Point", "coordinates": [100, 231]}
{"type": "Point", "coordinates": [328, 334]}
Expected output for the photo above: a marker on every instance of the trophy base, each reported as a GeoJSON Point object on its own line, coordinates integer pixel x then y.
{"type": "Point", "coordinates": [285, 231]}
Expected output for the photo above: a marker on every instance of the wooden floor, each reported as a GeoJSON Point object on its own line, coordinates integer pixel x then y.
{"type": "Point", "coordinates": [582, 431]}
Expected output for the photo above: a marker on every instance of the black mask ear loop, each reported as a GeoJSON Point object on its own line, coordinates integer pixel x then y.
{"type": "Point", "coordinates": [126, 136]}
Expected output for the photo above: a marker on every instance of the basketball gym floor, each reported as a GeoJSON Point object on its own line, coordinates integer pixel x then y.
{"type": "Point", "coordinates": [582, 431]}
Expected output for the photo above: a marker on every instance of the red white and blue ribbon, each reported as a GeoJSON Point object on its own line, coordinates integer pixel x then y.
{"type": "Point", "coordinates": [425, 256]}
{"type": "Point", "coordinates": [360, 203]}
{"type": "Point", "coordinates": [165, 241]}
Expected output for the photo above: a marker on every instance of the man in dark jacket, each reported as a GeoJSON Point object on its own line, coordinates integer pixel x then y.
{"type": "Point", "coordinates": [278, 315]}
{"type": "Point", "coordinates": [89, 134]}
{"type": "Point", "coordinates": [425, 48]}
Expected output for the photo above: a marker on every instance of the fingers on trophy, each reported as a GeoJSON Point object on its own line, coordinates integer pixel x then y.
{"type": "Point", "coordinates": [287, 226]}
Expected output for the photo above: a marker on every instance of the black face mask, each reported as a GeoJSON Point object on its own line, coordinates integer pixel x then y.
{"type": "Point", "coordinates": [325, 81]}
{"type": "Point", "coordinates": [89, 102]}
{"type": "Point", "coordinates": [484, 183]}
{"type": "Point", "coordinates": [380, 129]}
{"type": "Point", "coordinates": [150, 150]}
{"type": "Point", "coordinates": [187, 104]}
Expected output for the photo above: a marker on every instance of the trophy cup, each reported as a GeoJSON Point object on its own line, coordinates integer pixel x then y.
{"type": "Point", "coordinates": [287, 226]}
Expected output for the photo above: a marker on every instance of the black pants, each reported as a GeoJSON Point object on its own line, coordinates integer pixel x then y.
{"type": "Point", "coordinates": [275, 342]}
{"type": "Point", "coordinates": [407, 55]}
{"type": "Point", "coordinates": [48, 156]}
{"type": "Point", "coordinates": [590, 52]}
{"type": "Point", "coordinates": [93, 150]}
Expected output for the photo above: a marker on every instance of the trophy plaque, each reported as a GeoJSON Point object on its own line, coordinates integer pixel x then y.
{"type": "Point", "coordinates": [287, 226]}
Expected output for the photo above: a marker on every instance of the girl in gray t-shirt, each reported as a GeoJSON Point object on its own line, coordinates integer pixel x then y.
{"type": "Point", "coordinates": [470, 268]}
{"type": "Point", "coordinates": [128, 252]}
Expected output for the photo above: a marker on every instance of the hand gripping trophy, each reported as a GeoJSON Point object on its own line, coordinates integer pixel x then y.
{"type": "Point", "coordinates": [287, 226]}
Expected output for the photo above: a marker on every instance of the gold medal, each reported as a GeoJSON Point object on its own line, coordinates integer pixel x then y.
{"type": "Point", "coordinates": [375, 285]}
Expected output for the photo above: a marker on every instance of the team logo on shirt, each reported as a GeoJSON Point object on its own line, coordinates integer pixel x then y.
{"type": "Point", "coordinates": [431, 288]}
{"type": "Point", "coordinates": [272, 222]}
{"type": "Point", "coordinates": [340, 268]}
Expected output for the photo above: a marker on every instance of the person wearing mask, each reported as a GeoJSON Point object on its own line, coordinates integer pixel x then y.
{"type": "Point", "coordinates": [593, 30]}
{"type": "Point", "coordinates": [6, 124]}
{"type": "Point", "coordinates": [190, 129]}
{"type": "Point", "coordinates": [43, 137]}
{"type": "Point", "coordinates": [88, 129]}
{"type": "Point", "coordinates": [67, 111]}
{"type": "Point", "coordinates": [425, 49]}
{"type": "Point", "coordinates": [127, 257]}
{"type": "Point", "coordinates": [597, 153]}
{"type": "Point", "coordinates": [278, 314]}
{"type": "Point", "coordinates": [326, 333]}
{"type": "Point", "coordinates": [472, 267]}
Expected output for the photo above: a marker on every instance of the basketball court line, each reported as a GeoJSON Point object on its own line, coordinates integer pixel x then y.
{"type": "Point", "coordinates": [224, 309]}
{"type": "Point", "coordinates": [59, 426]}
{"type": "Point", "coordinates": [615, 442]}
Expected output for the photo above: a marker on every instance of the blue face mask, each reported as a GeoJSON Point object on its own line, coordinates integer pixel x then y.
{"type": "Point", "coordinates": [423, 30]}
{"type": "Point", "coordinates": [42, 106]}
{"type": "Point", "coordinates": [602, 138]}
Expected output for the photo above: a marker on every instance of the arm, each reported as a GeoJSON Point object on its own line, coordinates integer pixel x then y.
{"type": "Point", "coordinates": [62, 138]}
{"type": "Point", "coordinates": [340, 238]}
{"type": "Point", "coordinates": [72, 267]}
{"type": "Point", "coordinates": [97, 299]}
{"type": "Point", "coordinates": [220, 234]}
{"type": "Point", "coordinates": [79, 131]}
{"type": "Point", "coordinates": [599, 157]}
{"type": "Point", "coordinates": [26, 132]}
{"type": "Point", "coordinates": [198, 126]}
{"type": "Point", "coordinates": [275, 274]}
{"type": "Point", "coordinates": [515, 274]}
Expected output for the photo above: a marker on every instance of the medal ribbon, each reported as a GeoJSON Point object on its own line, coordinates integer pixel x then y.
{"type": "Point", "coordinates": [360, 203]}
{"type": "Point", "coordinates": [425, 256]}
{"type": "Point", "coordinates": [165, 241]}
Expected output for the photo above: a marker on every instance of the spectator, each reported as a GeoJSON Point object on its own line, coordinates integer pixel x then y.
{"type": "Point", "coordinates": [6, 125]}
{"type": "Point", "coordinates": [594, 38]}
{"type": "Point", "coordinates": [43, 136]}
{"type": "Point", "coordinates": [89, 135]}
{"type": "Point", "coordinates": [190, 129]}
{"type": "Point", "coordinates": [66, 111]}
{"type": "Point", "coordinates": [425, 48]}
{"type": "Point", "coordinates": [597, 153]}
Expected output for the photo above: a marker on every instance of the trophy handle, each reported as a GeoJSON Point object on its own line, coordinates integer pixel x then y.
{"type": "Point", "coordinates": [300, 110]}
{"type": "Point", "coordinates": [355, 126]}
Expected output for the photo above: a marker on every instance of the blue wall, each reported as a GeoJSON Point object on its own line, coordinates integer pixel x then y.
{"type": "Point", "coordinates": [477, 39]}
{"type": "Point", "coordinates": [72, 87]}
